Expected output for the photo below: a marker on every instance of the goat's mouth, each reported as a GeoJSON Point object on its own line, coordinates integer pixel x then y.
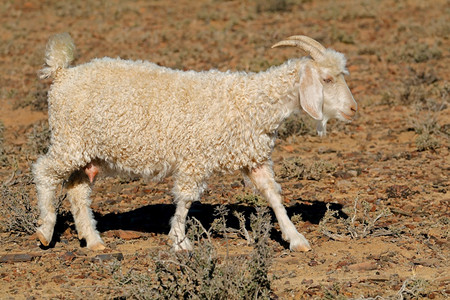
{"type": "Point", "coordinates": [346, 116]}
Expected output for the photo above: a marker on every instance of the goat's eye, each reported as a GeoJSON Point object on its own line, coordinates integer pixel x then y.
{"type": "Point", "coordinates": [328, 80]}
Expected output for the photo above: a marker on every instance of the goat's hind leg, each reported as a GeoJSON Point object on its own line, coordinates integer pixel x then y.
{"type": "Point", "coordinates": [263, 178]}
{"type": "Point", "coordinates": [48, 174]}
{"type": "Point", "coordinates": [78, 192]}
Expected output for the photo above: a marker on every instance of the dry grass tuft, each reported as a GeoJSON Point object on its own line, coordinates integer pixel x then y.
{"type": "Point", "coordinates": [203, 273]}
{"type": "Point", "coordinates": [17, 214]}
{"type": "Point", "coordinates": [297, 124]}
{"type": "Point", "coordinates": [39, 138]}
{"type": "Point", "coordinates": [295, 168]}
{"type": "Point", "coordinates": [360, 223]}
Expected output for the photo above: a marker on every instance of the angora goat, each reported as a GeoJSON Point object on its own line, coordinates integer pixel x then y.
{"type": "Point", "coordinates": [141, 118]}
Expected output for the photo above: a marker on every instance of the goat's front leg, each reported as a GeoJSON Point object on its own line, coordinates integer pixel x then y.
{"type": "Point", "coordinates": [178, 226]}
{"type": "Point", "coordinates": [187, 189]}
{"type": "Point", "coordinates": [263, 179]}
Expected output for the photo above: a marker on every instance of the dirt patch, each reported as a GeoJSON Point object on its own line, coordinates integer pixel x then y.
{"type": "Point", "coordinates": [393, 158]}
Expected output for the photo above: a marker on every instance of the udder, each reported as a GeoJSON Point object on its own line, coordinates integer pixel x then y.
{"type": "Point", "coordinates": [91, 171]}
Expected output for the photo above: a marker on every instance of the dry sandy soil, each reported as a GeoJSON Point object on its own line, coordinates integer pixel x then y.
{"type": "Point", "coordinates": [391, 162]}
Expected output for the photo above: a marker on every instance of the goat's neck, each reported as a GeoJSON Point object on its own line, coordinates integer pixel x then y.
{"type": "Point", "coordinates": [277, 95]}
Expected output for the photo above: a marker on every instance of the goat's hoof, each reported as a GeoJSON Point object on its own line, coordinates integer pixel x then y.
{"type": "Point", "coordinates": [185, 245]}
{"type": "Point", "coordinates": [42, 238]}
{"type": "Point", "coordinates": [97, 246]}
{"type": "Point", "coordinates": [300, 246]}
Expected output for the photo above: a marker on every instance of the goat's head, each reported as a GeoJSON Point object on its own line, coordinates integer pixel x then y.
{"type": "Point", "coordinates": [323, 92]}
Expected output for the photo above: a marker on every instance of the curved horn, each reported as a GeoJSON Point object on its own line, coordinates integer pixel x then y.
{"type": "Point", "coordinates": [307, 40]}
{"type": "Point", "coordinates": [315, 52]}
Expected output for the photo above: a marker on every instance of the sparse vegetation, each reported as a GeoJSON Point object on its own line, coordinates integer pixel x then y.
{"type": "Point", "coordinates": [39, 138]}
{"type": "Point", "coordinates": [399, 58]}
{"type": "Point", "coordinates": [17, 212]}
{"type": "Point", "coordinates": [3, 157]}
{"type": "Point", "coordinates": [361, 222]}
{"type": "Point", "coordinates": [297, 124]}
{"type": "Point", "coordinates": [203, 273]}
{"type": "Point", "coordinates": [295, 168]}
{"type": "Point", "coordinates": [272, 5]}
{"type": "Point", "coordinates": [426, 128]}
{"type": "Point", "coordinates": [251, 200]}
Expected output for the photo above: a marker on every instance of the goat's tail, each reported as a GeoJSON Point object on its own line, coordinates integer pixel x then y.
{"type": "Point", "coordinates": [59, 53]}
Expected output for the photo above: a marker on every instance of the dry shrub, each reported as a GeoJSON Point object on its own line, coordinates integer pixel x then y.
{"type": "Point", "coordinates": [294, 168]}
{"type": "Point", "coordinates": [17, 214]}
{"type": "Point", "coordinates": [272, 5]}
{"type": "Point", "coordinates": [250, 200]}
{"type": "Point", "coordinates": [360, 223]}
{"type": "Point", "coordinates": [3, 156]}
{"type": "Point", "coordinates": [204, 274]}
{"type": "Point", "coordinates": [413, 288]}
{"type": "Point", "coordinates": [297, 124]}
{"type": "Point", "coordinates": [36, 98]}
{"type": "Point", "coordinates": [39, 138]}
{"type": "Point", "coordinates": [426, 141]}
{"type": "Point", "coordinates": [427, 128]}
{"type": "Point", "coordinates": [414, 52]}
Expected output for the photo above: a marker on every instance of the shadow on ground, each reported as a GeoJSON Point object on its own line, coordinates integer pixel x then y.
{"type": "Point", "coordinates": [156, 218]}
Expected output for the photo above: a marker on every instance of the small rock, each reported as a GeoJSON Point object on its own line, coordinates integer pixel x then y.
{"type": "Point", "coordinates": [108, 256]}
{"type": "Point", "coordinates": [68, 256]}
{"type": "Point", "coordinates": [288, 148]}
{"type": "Point", "coordinates": [346, 174]}
{"type": "Point", "coordinates": [124, 234]}
{"type": "Point", "coordinates": [343, 183]}
{"type": "Point", "coordinates": [129, 235]}
{"type": "Point", "coordinates": [398, 191]}
{"type": "Point", "coordinates": [59, 279]}
{"type": "Point", "coordinates": [312, 263]}
{"type": "Point", "coordinates": [17, 257]}
{"type": "Point", "coordinates": [324, 150]}
{"type": "Point", "coordinates": [364, 266]}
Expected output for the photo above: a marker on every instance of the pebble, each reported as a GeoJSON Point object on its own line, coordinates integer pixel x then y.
{"type": "Point", "coordinates": [68, 256]}
{"type": "Point", "coordinates": [363, 266]}
{"type": "Point", "coordinates": [108, 256]}
{"type": "Point", "coordinates": [17, 257]}
{"type": "Point", "coordinates": [124, 234]}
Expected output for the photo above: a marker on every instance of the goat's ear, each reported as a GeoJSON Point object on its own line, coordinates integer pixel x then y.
{"type": "Point", "coordinates": [311, 92]}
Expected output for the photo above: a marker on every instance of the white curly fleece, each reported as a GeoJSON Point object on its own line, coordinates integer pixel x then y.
{"type": "Point", "coordinates": [138, 117]}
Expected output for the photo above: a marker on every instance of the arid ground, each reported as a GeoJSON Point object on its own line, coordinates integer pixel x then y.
{"type": "Point", "coordinates": [384, 177]}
